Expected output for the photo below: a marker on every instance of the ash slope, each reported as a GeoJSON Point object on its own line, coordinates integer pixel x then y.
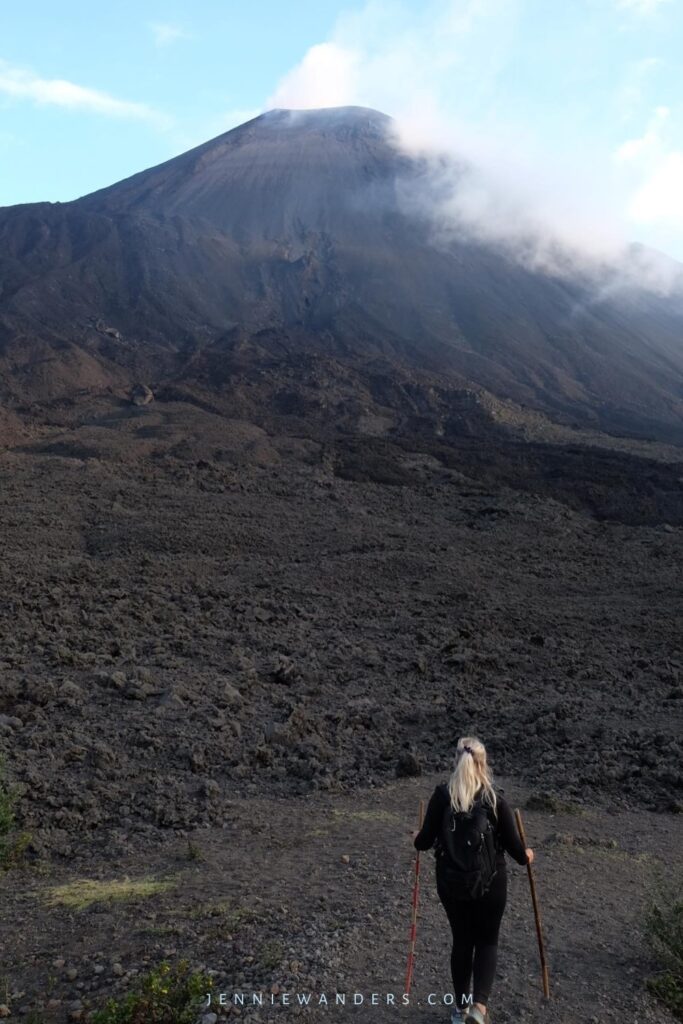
{"type": "Point", "coordinates": [238, 616]}
{"type": "Point", "coordinates": [290, 233]}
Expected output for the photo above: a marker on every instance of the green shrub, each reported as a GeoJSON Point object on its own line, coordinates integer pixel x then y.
{"type": "Point", "coordinates": [13, 844]}
{"type": "Point", "coordinates": [167, 995]}
{"type": "Point", "coordinates": [7, 799]}
{"type": "Point", "coordinates": [665, 930]}
{"type": "Point", "coordinates": [193, 851]}
{"type": "Point", "coordinates": [13, 850]}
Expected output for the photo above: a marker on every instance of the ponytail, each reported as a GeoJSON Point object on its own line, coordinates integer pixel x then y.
{"type": "Point", "coordinates": [470, 775]}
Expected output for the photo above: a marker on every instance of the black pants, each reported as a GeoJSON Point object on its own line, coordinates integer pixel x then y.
{"type": "Point", "coordinates": [475, 925]}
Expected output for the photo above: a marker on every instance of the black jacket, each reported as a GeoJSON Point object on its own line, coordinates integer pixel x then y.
{"type": "Point", "coordinates": [507, 836]}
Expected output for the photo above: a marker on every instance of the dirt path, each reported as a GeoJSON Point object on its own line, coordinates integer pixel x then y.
{"type": "Point", "coordinates": [269, 900]}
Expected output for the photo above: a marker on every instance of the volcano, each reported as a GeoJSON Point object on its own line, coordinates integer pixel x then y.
{"type": "Point", "coordinates": [310, 235]}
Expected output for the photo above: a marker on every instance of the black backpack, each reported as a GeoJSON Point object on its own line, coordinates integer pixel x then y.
{"type": "Point", "coordinates": [466, 851]}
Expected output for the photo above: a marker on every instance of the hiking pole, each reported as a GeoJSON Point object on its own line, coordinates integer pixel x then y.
{"type": "Point", "coordinates": [413, 922]}
{"type": "Point", "coordinates": [537, 915]}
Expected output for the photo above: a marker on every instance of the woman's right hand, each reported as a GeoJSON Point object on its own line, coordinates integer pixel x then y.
{"type": "Point", "coordinates": [529, 856]}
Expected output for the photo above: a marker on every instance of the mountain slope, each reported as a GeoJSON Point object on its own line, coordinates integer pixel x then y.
{"type": "Point", "coordinates": [292, 233]}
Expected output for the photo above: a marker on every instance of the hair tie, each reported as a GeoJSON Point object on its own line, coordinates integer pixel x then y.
{"type": "Point", "coordinates": [468, 750]}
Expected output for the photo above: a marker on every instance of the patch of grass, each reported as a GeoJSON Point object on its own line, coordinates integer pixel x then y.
{"type": "Point", "coordinates": [664, 928]}
{"type": "Point", "coordinates": [604, 849]}
{"type": "Point", "coordinates": [645, 862]}
{"type": "Point", "coordinates": [548, 803]}
{"type": "Point", "coordinates": [380, 814]}
{"type": "Point", "coordinates": [593, 843]}
{"type": "Point", "coordinates": [167, 995]}
{"type": "Point", "coordinates": [83, 892]}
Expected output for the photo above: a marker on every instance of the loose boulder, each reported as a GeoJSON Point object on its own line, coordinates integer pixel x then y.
{"type": "Point", "coordinates": [141, 395]}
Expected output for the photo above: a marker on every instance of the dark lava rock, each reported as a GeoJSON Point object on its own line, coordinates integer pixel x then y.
{"type": "Point", "coordinates": [407, 765]}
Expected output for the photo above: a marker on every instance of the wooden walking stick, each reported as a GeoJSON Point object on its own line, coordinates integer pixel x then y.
{"type": "Point", "coordinates": [537, 915]}
{"type": "Point", "coordinates": [413, 922]}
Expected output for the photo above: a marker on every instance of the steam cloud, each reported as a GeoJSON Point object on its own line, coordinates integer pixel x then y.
{"type": "Point", "coordinates": [562, 214]}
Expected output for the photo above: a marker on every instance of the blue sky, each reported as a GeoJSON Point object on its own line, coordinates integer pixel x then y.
{"type": "Point", "coordinates": [574, 110]}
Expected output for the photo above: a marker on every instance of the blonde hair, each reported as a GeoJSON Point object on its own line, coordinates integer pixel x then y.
{"type": "Point", "coordinates": [470, 774]}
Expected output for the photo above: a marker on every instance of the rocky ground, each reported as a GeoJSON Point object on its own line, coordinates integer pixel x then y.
{"type": "Point", "coordinates": [213, 633]}
{"type": "Point", "coordinates": [310, 896]}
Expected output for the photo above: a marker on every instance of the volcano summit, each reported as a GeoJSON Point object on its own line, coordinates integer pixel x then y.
{"type": "Point", "coordinates": [313, 232]}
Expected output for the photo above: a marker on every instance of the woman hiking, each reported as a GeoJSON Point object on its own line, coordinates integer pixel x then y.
{"type": "Point", "coordinates": [473, 892]}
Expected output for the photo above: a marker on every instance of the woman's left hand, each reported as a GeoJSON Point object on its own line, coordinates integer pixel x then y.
{"type": "Point", "coordinates": [415, 833]}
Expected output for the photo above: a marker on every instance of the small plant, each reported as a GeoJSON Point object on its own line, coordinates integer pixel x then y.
{"type": "Point", "coordinates": [13, 852]}
{"type": "Point", "coordinates": [271, 953]}
{"type": "Point", "coordinates": [664, 925]}
{"type": "Point", "coordinates": [193, 851]}
{"type": "Point", "coordinates": [167, 995]}
{"type": "Point", "coordinates": [7, 799]}
{"type": "Point", "coordinates": [13, 844]}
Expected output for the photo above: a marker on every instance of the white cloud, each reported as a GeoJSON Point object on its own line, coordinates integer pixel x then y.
{"type": "Point", "coordinates": [656, 168]}
{"type": "Point", "coordinates": [644, 8]}
{"type": "Point", "coordinates": [164, 33]}
{"type": "Point", "coordinates": [328, 76]}
{"type": "Point", "coordinates": [659, 200]}
{"type": "Point", "coordinates": [647, 145]}
{"type": "Point", "coordinates": [440, 69]}
{"type": "Point", "coordinates": [397, 58]}
{"type": "Point", "coordinates": [19, 83]}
